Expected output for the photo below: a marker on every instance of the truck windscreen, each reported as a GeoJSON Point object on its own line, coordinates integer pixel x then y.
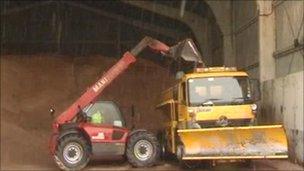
{"type": "Point", "coordinates": [219, 91]}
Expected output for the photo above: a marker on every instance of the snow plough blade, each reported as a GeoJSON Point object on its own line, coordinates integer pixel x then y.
{"type": "Point", "coordinates": [248, 142]}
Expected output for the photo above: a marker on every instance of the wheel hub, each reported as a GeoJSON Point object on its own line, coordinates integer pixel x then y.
{"type": "Point", "coordinates": [72, 153]}
{"type": "Point", "coordinates": [143, 150]}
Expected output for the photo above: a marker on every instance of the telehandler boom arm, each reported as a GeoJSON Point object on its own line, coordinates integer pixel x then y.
{"type": "Point", "coordinates": [97, 88]}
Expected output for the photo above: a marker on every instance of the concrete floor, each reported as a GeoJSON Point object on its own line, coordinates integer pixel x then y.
{"type": "Point", "coordinates": [264, 165]}
{"type": "Point", "coordinates": [173, 165]}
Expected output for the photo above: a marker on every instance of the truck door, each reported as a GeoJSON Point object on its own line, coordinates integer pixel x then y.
{"type": "Point", "coordinates": [182, 106]}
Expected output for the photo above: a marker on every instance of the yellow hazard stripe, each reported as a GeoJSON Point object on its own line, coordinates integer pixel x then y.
{"type": "Point", "coordinates": [235, 157]}
{"type": "Point", "coordinates": [230, 128]}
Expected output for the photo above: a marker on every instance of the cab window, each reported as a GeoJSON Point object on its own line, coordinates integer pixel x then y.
{"type": "Point", "coordinates": [219, 91]}
{"type": "Point", "coordinates": [183, 92]}
{"type": "Point", "coordinates": [105, 113]}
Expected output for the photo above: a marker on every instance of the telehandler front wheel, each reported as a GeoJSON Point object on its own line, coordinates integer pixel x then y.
{"type": "Point", "coordinates": [143, 149]}
{"type": "Point", "coordinates": [72, 152]}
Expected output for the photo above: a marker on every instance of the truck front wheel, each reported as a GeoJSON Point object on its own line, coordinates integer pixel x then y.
{"type": "Point", "coordinates": [143, 149]}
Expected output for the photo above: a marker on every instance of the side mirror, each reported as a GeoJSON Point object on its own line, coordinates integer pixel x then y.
{"type": "Point", "coordinates": [52, 111]}
{"type": "Point", "coordinates": [255, 89]}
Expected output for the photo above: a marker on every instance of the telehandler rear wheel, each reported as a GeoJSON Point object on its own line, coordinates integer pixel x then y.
{"type": "Point", "coordinates": [72, 152]}
{"type": "Point", "coordinates": [143, 149]}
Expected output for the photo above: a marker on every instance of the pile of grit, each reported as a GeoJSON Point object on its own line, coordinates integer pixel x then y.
{"type": "Point", "coordinates": [31, 84]}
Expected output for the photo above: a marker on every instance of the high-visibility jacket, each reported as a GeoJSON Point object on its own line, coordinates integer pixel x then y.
{"type": "Point", "coordinates": [97, 118]}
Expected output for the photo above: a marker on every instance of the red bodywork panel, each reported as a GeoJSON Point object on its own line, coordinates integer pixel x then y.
{"type": "Point", "coordinates": [93, 130]}
{"type": "Point", "coordinates": [53, 143]}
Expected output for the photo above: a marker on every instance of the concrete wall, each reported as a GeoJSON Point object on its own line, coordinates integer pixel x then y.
{"type": "Point", "coordinates": [283, 103]}
{"type": "Point", "coordinates": [283, 95]}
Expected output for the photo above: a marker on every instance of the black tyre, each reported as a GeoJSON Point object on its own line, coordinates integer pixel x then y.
{"type": "Point", "coordinates": [179, 152]}
{"type": "Point", "coordinates": [73, 152]}
{"type": "Point", "coordinates": [189, 165]}
{"type": "Point", "coordinates": [143, 149]}
{"type": "Point", "coordinates": [184, 164]}
{"type": "Point", "coordinates": [246, 163]}
{"type": "Point", "coordinates": [161, 136]}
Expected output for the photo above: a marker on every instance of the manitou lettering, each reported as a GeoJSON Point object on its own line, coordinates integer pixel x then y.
{"type": "Point", "coordinates": [114, 71]}
{"type": "Point", "coordinates": [100, 84]}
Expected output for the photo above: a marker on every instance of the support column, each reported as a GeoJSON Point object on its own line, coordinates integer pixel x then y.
{"type": "Point", "coordinates": [229, 57]}
{"type": "Point", "coordinates": [224, 19]}
{"type": "Point", "coordinates": [266, 37]}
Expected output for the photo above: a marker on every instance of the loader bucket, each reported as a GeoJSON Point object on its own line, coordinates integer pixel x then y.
{"type": "Point", "coordinates": [250, 142]}
{"type": "Point", "coordinates": [186, 50]}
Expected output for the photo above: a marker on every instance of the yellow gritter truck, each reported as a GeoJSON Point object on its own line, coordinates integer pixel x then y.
{"type": "Point", "coordinates": [210, 115]}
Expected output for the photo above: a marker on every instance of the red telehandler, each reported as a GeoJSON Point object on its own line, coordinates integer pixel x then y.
{"type": "Point", "coordinates": [75, 139]}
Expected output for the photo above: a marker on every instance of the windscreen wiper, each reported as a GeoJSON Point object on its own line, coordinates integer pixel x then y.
{"type": "Point", "coordinates": [236, 100]}
{"type": "Point", "coordinates": [209, 102]}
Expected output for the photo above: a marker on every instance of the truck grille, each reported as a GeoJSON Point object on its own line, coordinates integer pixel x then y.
{"type": "Point", "coordinates": [234, 122]}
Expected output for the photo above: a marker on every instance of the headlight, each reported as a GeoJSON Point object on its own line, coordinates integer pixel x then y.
{"type": "Point", "coordinates": [190, 110]}
{"type": "Point", "coordinates": [254, 107]}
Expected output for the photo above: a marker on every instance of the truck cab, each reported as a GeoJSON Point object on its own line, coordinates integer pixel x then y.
{"type": "Point", "coordinates": [213, 97]}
